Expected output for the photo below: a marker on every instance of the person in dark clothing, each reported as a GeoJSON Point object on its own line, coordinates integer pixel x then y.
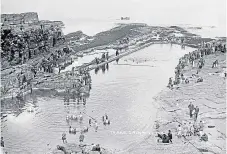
{"type": "Point", "coordinates": [165, 139]}
{"type": "Point", "coordinates": [196, 112]}
{"type": "Point", "coordinates": [89, 122]}
{"type": "Point", "coordinates": [170, 136]}
{"type": "Point", "coordinates": [61, 148]}
{"type": "Point", "coordinates": [117, 53]}
{"type": "Point", "coordinates": [107, 56]}
{"type": "Point", "coordinates": [106, 116]}
{"type": "Point", "coordinates": [2, 142]}
{"type": "Point", "coordinates": [54, 41]}
{"type": "Point", "coordinates": [64, 138]}
{"type": "Point", "coordinates": [81, 138]}
{"type": "Point", "coordinates": [98, 147]}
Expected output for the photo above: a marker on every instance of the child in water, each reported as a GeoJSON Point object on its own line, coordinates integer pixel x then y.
{"type": "Point", "coordinates": [96, 126]}
{"type": "Point", "coordinates": [64, 138]}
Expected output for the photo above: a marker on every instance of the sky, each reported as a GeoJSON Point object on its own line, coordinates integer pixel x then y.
{"type": "Point", "coordinates": [196, 12]}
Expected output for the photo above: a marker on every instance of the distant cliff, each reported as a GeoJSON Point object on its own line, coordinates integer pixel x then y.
{"type": "Point", "coordinates": [26, 21]}
{"type": "Point", "coordinates": [23, 18]}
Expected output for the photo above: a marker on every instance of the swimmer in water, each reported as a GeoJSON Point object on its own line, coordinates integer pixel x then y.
{"type": "Point", "coordinates": [64, 138]}
{"type": "Point", "coordinates": [96, 126]}
{"type": "Point", "coordinates": [106, 116]}
{"type": "Point", "coordinates": [81, 138]}
{"type": "Point", "coordinates": [67, 118]}
{"type": "Point", "coordinates": [81, 116]}
{"type": "Point", "coordinates": [89, 122]}
{"type": "Point", "coordinates": [70, 129]}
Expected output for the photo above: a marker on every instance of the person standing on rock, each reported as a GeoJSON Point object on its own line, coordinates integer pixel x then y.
{"type": "Point", "coordinates": [185, 130]}
{"type": "Point", "coordinates": [170, 136]}
{"type": "Point", "coordinates": [107, 55]}
{"type": "Point", "coordinates": [117, 52]}
{"type": "Point", "coordinates": [179, 131]}
{"type": "Point", "coordinates": [191, 108]}
{"type": "Point", "coordinates": [196, 112]}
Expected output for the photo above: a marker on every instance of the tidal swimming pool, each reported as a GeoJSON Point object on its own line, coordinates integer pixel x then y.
{"type": "Point", "coordinates": [124, 92]}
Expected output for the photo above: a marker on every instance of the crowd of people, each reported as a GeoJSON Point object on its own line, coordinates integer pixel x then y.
{"type": "Point", "coordinates": [74, 92]}
{"type": "Point", "coordinates": [205, 49]}
{"type": "Point", "coordinates": [163, 138]}
{"type": "Point", "coordinates": [193, 127]}
{"type": "Point", "coordinates": [78, 90]}
{"type": "Point", "coordinates": [48, 63]}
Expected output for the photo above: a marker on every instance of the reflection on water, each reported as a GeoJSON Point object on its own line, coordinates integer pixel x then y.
{"type": "Point", "coordinates": [123, 92]}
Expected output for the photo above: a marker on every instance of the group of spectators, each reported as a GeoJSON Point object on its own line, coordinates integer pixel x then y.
{"type": "Point", "coordinates": [193, 128]}
{"type": "Point", "coordinates": [50, 62]}
{"type": "Point", "coordinates": [205, 49]}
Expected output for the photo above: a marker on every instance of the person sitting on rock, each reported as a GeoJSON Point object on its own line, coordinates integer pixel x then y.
{"type": "Point", "coordinates": [93, 147]}
{"type": "Point", "coordinates": [96, 148]}
{"type": "Point", "coordinates": [160, 135]}
{"type": "Point", "coordinates": [204, 137]}
{"type": "Point", "coordinates": [165, 139]}
{"type": "Point", "coordinates": [200, 79]}
{"type": "Point", "coordinates": [61, 148]}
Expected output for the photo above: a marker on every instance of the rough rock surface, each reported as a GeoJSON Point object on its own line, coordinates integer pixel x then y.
{"type": "Point", "coordinates": [209, 96]}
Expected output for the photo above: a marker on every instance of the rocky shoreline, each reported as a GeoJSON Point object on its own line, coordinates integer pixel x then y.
{"type": "Point", "coordinates": [172, 104]}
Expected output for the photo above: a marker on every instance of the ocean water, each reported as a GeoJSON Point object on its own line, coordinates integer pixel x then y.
{"type": "Point", "coordinates": [92, 27]}
{"type": "Point", "coordinates": [95, 16]}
